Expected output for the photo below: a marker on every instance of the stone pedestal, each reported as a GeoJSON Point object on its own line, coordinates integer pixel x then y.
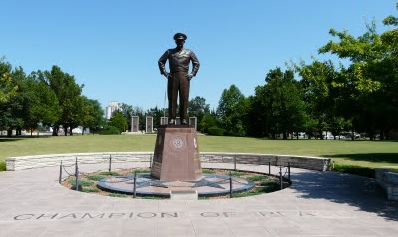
{"type": "Point", "coordinates": [164, 120]}
{"type": "Point", "coordinates": [176, 155]}
{"type": "Point", "coordinates": [193, 121]}
{"type": "Point", "coordinates": [135, 123]}
{"type": "Point", "coordinates": [149, 124]}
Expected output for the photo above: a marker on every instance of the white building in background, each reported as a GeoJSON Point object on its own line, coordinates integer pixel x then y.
{"type": "Point", "coordinates": [112, 107]}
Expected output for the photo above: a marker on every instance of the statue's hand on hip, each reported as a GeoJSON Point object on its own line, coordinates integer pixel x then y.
{"type": "Point", "coordinates": [167, 75]}
{"type": "Point", "coordinates": [189, 76]}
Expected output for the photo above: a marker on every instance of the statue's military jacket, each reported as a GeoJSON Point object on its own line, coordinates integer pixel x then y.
{"type": "Point", "coordinates": [179, 61]}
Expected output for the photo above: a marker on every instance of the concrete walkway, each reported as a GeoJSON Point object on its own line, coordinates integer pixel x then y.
{"type": "Point", "coordinates": [317, 204]}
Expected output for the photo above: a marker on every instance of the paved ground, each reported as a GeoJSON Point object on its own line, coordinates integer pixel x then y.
{"type": "Point", "coordinates": [317, 204]}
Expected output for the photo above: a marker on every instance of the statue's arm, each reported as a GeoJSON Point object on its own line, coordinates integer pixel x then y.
{"type": "Point", "coordinates": [162, 63]}
{"type": "Point", "coordinates": [195, 63]}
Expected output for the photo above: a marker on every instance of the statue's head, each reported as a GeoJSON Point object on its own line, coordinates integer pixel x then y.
{"type": "Point", "coordinates": [180, 39]}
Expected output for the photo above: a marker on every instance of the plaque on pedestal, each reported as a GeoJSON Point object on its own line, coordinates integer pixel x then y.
{"type": "Point", "coordinates": [176, 155]}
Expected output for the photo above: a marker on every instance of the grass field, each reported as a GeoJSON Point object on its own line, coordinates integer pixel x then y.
{"type": "Point", "coordinates": [345, 152]}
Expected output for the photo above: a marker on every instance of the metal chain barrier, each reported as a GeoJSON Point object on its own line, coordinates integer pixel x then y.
{"type": "Point", "coordinates": [281, 175]}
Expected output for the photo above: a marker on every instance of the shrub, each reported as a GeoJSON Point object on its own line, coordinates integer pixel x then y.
{"type": "Point", "coordinates": [82, 182]}
{"type": "Point", "coordinates": [117, 195]}
{"type": "Point", "coordinates": [110, 173]}
{"type": "Point", "coordinates": [257, 178]}
{"type": "Point", "coordinates": [96, 177]}
{"type": "Point", "coordinates": [90, 190]}
{"type": "Point", "coordinates": [236, 173]}
{"type": "Point", "coordinates": [109, 130]}
{"type": "Point", "coordinates": [140, 171]}
{"type": "Point", "coordinates": [3, 166]}
{"type": "Point", "coordinates": [357, 170]}
{"type": "Point", "coordinates": [216, 131]}
{"type": "Point", "coordinates": [207, 171]}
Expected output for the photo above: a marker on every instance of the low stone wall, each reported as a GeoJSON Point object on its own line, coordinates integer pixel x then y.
{"type": "Point", "coordinates": [305, 162]}
{"type": "Point", "coordinates": [32, 162]}
{"type": "Point", "coordinates": [389, 181]}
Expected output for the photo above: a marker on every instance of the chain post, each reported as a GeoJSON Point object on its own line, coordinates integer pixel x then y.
{"type": "Point", "coordinates": [77, 176]}
{"type": "Point", "coordinates": [110, 163]}
{"type": "Point", "coordinates": [280, 175]}
{"type": "Point", "coordinates": [269, 167]}
{"type": "Point", "coordinates": [234, 162]}
{"type": "Point", "coordinates": [288, 169]}
{"type": "Point", "coordinates": [135, 185]}
{"type": "Point", "coordinates": [230, 185]}
{"type": "Point", "coordinates": [60, 173]}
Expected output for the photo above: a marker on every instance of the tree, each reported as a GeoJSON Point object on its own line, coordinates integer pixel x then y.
{"type": "Point", "coordinates": [94, 117]}
{"type": "Point", "coordinates": [316, 82]}
{"type": "Point", "coordinates": [119, 121]}
{"type": "Point", "coordinates": [7, 87]}
{"type": "Point", "coordinates": [198, 108]}
{"type": "Point", "coordinates": [69, 96]}
{"type": "Point", "coordinates": [8, 90]}
{"type": "Point", "coordinates": [231, 111]}
{"type": "Point", "coordinates": [41, 104]}
{"type": "Point", "coordinates": [372, 76]}
{"type": "Point", "coordinates": [283, 101]}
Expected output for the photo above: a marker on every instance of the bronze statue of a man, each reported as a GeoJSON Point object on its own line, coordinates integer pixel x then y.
{"type": "Point", "coordinates": [179, 76]}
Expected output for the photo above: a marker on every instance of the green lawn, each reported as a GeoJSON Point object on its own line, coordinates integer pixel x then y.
{"type": "Point", "coordinates": [344, 152]}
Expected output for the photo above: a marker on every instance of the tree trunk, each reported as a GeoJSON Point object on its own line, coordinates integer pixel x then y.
{"type": "Point", "coordinates": [284, 136]}
{"type": "Point", "coordinates": [9, 132]}
{"type": "Point", "coordinates": [55, 130]}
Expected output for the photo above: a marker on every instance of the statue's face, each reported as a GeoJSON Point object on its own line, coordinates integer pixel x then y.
{"type": "Point", "coordinates": [180, 42]}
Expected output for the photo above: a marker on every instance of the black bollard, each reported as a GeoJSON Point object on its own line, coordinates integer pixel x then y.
{"type": "Point", "coordinates": [77, 176]}
{"type": "Point", "coordinates": [288, 169]}
{"type": "Point", "coordinates": [150, 161]}
{"type": "Point", "coordinates": [280, 175]}
{"type": "Point", "coordinates": [235, 163]}
{"type": "Point", "coordinates": [135, 185]}
{"type": "Point", "coordinates": [269, 167]}
{"type": "Point", "coordinates": [230, 185]}
{"type": "Point", "coordinates": [60, 173]}
{"type": "Point", "coordinates": [110, 163]}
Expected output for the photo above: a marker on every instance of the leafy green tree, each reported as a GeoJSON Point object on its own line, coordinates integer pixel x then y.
{"type": "Point", "coordinates": [41, 104]}
{"type": "Point", "coordinates": [7, 87]}
{"type": "Point", "coordinates": [8, 91]}
{"type": "Point", "coordinates": [231, 111]}
{"type": "Point", "coordinates": [209, 124]}
{"type": "Point", "coordinates": [128, 111]}
{"type": "Point", "coordinates": [94, 116]}
{"type": "Point", "coordinates": [198, 108]}
{"type": "Point", "coordinates": [68, 93]}
{"type": "Point", "coordinates": [316, 82]}
{"type": "Point", "coordinates": [119, 121]}
{"type": "Point", "coordinates": [371, 78]}
{"type": "Point", "coordinates": [285, 102]}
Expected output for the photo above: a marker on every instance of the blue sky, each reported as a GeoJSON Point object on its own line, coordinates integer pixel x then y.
{"type": "Point", "coordinates": [113, 46]}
